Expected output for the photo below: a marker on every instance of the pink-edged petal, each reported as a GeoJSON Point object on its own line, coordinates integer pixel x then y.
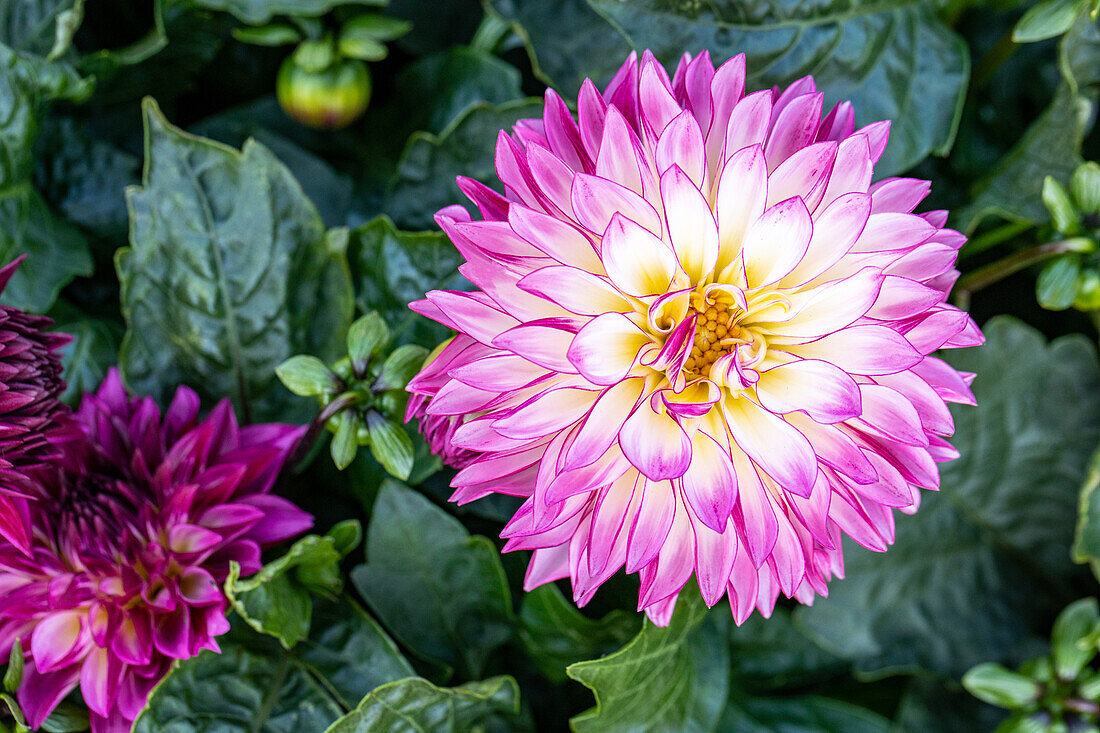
{"type": "Point", "coordinates": [541, 343]}
{"type": "Point", "coordinates": [742, 192]}
{"type": "Point", "coordinates": [681, 144]}
{"type": "Point", "coordinates": [602, 425]}
{"type": "Point", "coordinates": [887, 413]}
{"type": "Point", "coordinates": [59, 639]}
{"type": "Point", "coordinates": [554, 238]}
{"type": "Point", "coordinates": [754, 516]}
{"type": "Point", "coordinates": [773, 444]}
{"type": "Point", "coordinates": [546, 413]}
{"type": "Point", "coordinates": [820, 389]}
{"type": "Point", "coordinates": [596, 200]}
{"type": "Point", "coordinates": [833, 306]}
{"type": "Point", "coordinates": [899, 194]}
{"type": "Point", "coordinates": [576, 290]}
{"type": "Point", "coordinates": [620, 158]}
{"type": "Point", "coordinates": [472, 316]}
{"type": "Point", "coordinates": [794, 127]}
{"type": "Point", "coordinates": [749, 121]}
{"type": "Point", "coordinates": [691, 226]}
{"type": "Point", "coordinates": [835, 230]}
{"type": "Point", "coordinates": [655, 443]}
{"type": "Point", "coordinates": [902, 298]}
{"type": "Point", "coordinates": [867, 350]}
{"type": "Point", "coordinates": [606, 348]}
{"type": "Point", "coordinates": [710, 484]}
{"type": "Point", "coordinates": [776, 242]}
{"type": "Point", "coordinates": [637, 262]}
{"type": "Point", "coordinates": [804, 174]}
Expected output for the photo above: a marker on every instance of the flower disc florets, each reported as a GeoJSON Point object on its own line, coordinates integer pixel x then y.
{"type": "Point", "coordinates": [701, 341]}
{"type": "Point", "coordinates": [133, 529]}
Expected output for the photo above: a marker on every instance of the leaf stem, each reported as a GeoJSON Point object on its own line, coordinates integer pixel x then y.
{"type": "Point", "coordinates": [993, 237]}
{"type": "Point", "coordinates": [994, 272]}
{"type": "Point", "coordinates": [316, 425]}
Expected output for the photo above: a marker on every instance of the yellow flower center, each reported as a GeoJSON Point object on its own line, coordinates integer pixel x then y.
{"type": "Point", "coordinates": [720, 329]}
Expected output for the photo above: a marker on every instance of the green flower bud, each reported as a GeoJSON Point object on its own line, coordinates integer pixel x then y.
{"type": "Point", "coordinates": [327, 99]}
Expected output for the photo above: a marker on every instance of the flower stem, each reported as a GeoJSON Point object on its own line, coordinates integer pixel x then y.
{"type": "Point", "coordinates": [996, 271]}
{"type": "Point", "coordinates": [313, 432]}
{"type": "Point", "coordinates": [490, 33]}
{"type": "Point", "coordinates": [994, 237]}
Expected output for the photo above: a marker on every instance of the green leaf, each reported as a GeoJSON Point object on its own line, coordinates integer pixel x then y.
{"type": "Point", "coordinates": [1048, 19]}
{"type": "Point", "coordinates": [1075, 623]}
{"type": "Point", "coordinates": [666, 679]}
{"type": "Point", "coordinates": [13, 675]}
{"type": "Point", "coordinates": [1085, 186]}
{"type": "Point", "coordinates": [440, 591]}
{"type": "Point", "coordinates": [366, 337]}
{"type": "Point", "coordinates": [401, 366]}
{"type": "Point", "coordinates": [256, 686]}
{"type": "Point", "coordinates": [915, 63]}
{"type": "Point", "coordinates": [416, 704]}
{"type": "Point", "coordinates": [276, 601]}
{"type": "Point", "coordinates": [425, 177]}
{"type": "Point", "coordinates": [997, 530]}
{"type": "Point", "coordinates": [273, 35]}
{"type": "Point", "coordinates": [33, 26]}
{"type": "Point", "coordinates": [390, 445]}
{"type": "Point", "coordinates": [438, 89]}
{"type": "Point", "coordinates": [223, 278]}
{"type": "Point", "coordinates": [1056, 287]}
{"type": "Point", "coordinates": [1001, 687]}
{"type": "Point", "coordinates": [57, 251]}
{"type": "Point", "coordinates": [936, 705]}
{"type": "Point", "coordinates": [306, 375]}
{"type": "Point", "coordinates": [257, 12]}
{"type": "Point", "coordinates": [378, 27]}
{"type": "Point", "coordinates": [774, 653]}
{"type": "Point", "coordinates": [346, 536]}
{"type": "Point", "coordinates": [14, 711]}
{"type": "Point", "coordinates": [1063, 213]}
{"type": "Point", "coordinates": [67, 717]}
{"type": "Point", "coordinates": [345, 444]}
{"type": "Point", "coordinates": [392, 268]}
{"type": "Point", "coordinates": [799, 714]}
{"type": "Point", "coordinates": [1086, 543]}
{"type": "Point", "coordinates": [362, 47]}
{"type": "Point", "coordinates": [555, 634]}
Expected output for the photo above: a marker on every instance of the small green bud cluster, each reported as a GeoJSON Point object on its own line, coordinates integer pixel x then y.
{"type": "Point", "coordinates": [1058, 693]}
{"type": "Point", "coordinates": [362, 396]}
{"type": "Point", "coordinates": [1073, 277]}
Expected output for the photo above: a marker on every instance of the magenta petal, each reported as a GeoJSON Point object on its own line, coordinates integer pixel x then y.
{"type": "Point", "coordinates": [282, 519]}
{"type": "Point", "coordinates": [40, 693]}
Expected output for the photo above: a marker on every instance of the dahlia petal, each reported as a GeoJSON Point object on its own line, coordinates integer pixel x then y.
{"type": "Point", "coordinates": [637, 262]}
{"type": "Point", "coordinates": [606, 348]}
{"type": "Point", "coordinates": [852, 169]}
{"type": "Point", "coordinates": [887, 413]}
{"type": "Point", "coordinates": [691, 226]}
{"type": "Point", "coordinates": [776, 241]}
{"type": "Point", "coordinates": [554, 238]}
{"type": "Point", "coordinates": [59, 639]}
{"type": "Point", "coordinates": [554, 178]}
{"type": "Point", "coordinates": [591, 118]}
{"type": "Point", "coordinates": [660, 612]}
{"type": "Point", "coordinates": [655, 443]}
{"type": "Point", "coordinates": [652, 523]}
{"type": "Point", "coordinates": [870, 350]}
{"type": "Point", "coordinates": [100, 675]}
{"type": "Point", "coordinates": [472, 316]}
{"type": "Point", "coordinates": [610, 526]}
{"type": "Point", "coordinates": [794, 127]}
{"type": "Point", "coordinates": [898, 194]}
{"type": "Point", "coordinates": [877, 134]}
{"type": "Point", "coordinates": [282, 519]}
{"type": "Point", "coordinates": [40, 692]}
{"type": "Point", "coordinates": [539, 343]}
{"type": "Point", "coordinates": [823, 391]}
{"type": "Point", "coordinates": [804, 174]}
{"type": "Point", "coordinates": [835, 449]}
{"type": "Point", "coordinates": [742, 588]}
{"type": "Point", "coordinates": [891, 231]}
{"type": "Point", "coordinates": [749, 121]}
{"type": "Point", "coordinates": [597, 200]}
{"type": "Point", "coordinates": [602, 425]}
{"type": "Point", "coordinates": [742, 192]}
{"type": "Point", "coordinates": [620, 158]}
{"type": "Point", "coordinates": [546, 413]}
{"type": "Point", "coordinates": [725, 88]}
{"type": "Point", "coordinates": [657, 103]}
{"type": "Point", "coordinates": [834, 306]}
{"type": "Point", "coordinates": [710, 484]}
{"type": "Point", "coordinates": [681, 144]}
{"type": "Point", "coordinates": [754, 516]}
{"type": "Point", "coordinates": [715, 553]}
{"type": "Point", "coordinates": [675, 562]}
{"type": "Point", "coordinates": [562, 131]}
{"type": "Point", "coordinates": [787, 559]}
{"type": "Point", "coordinates": [546, 566]}
{"type": "Point", "coordinates": [773, 444]}
{"type": "Point", "coordinates": [835, 230]}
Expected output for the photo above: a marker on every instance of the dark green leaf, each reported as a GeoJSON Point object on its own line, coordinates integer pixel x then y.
{"type": "Point", "coordinates": [345, 443]}
{"type": "Point", "coordinates": [13, 675]}
{"type": "Point", "coordinates": [999, 686]}
{"type": "Point", "coordinates": [414, 704]}
{"type": "Point", "coordinates": [773, 653]}
{"type": "Point", "coordinates": [256, 12]}
{"type": "Point", "coordinates": [276, 601]}
{"type": "Point", "coordinates": [1048, 19]}
{"type": "Point", "coordinates": [378, 27]}
{"type": "Point", "coordinates": [928, 705]}
{"type": "Point", "coordinates": [93, 349]}
{"type": "Point", "coordinates": [366, 337]}
{"type": "Point", "coordinates": [306, 375]}
{"type": "Point", "coordinates": [438, 89]}
{"type": "Point", "coordinates": [1085, 186]}
{"type": "Point", "coordinates": [425, 178]}
{"type": "Point", "coordinates": [1057, 284]}
{"type": "Point", "coordinates": [390, 445]}
{"type": "Point", "coordinates": [346, 536]}
{"type": "Point", "coordinates": [1086, 543]}
{"type": "Point", "coordinates": [67, 717]}
{"type": "Point", "coordinates": [275, 34]}
{"type": "Point", "coordinates": [666, 679]}
{"type": "Point", "coordinates": [557, 635]}
{"type": "Point", "coordinates": [401, 366]}
{"type": "Point", "coordinates": [1069, 652]}
{"type": "Point", "coordinates": [804, 714]}
{"type": "Point", "coordinates": [392, 268]}
{"type": "Point", "coordinates": [998, 529]}
{"type": "Point", "coordinates": [11, 706]}
{"type": "Point", "coordinates": [223, 278]}
{"type": "Point", "coordinates": [31, 25]}
{"type": "Point", "coordinates": [915, 63]}
{"type": "Point", "coordinates": [255, 686]}
{"type": "Point", "coordinates": [1063, 213]}
{"type": "Point", "coordinates": [440, 591]}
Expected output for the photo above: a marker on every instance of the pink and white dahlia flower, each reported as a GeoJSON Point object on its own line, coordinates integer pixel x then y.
{"type": "Point", "coordinates": [133, 530]}
{"type": "Point", "coordinates": [702, 341]}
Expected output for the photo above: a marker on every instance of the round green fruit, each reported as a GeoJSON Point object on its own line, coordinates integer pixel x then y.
{"type": "Point", "coordinates": [328, 99]}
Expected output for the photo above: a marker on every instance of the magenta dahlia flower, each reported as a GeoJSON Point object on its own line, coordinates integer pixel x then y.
{"type": "Point", "coordinates": [702, 341]}
{"type": "Point", "coordinates": [31, 416]}
{"type": "Point", "coordinates": [134, 527]}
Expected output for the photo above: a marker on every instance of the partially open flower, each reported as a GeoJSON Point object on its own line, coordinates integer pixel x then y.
{"type": "Point", "coordinates": [133, 530]}
{"type": "Point", "coordinates": [702, 338]}
{"type": "Point", "coordinates": [31, 416]}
